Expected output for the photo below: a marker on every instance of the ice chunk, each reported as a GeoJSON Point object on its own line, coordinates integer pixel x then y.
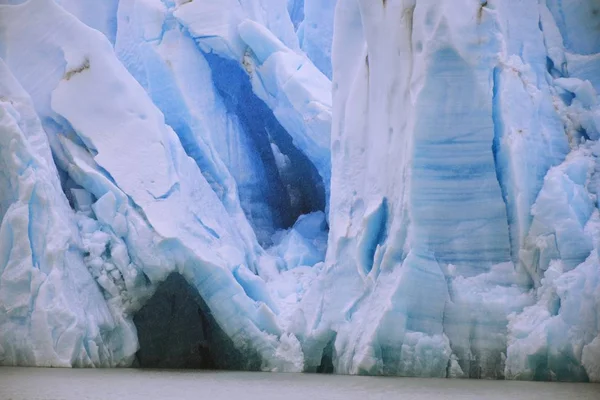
{"type": "Point", "coordinates": [392, 329]}
{"type": "Point", "coordinates": [51, 309]}
{"type": "Point", "coordinates": [304, 244]}
{"type": "Point", "coordinates": [585, 67]}
{"type": "Point", "coordinates": [214, 25]}
{"type": "Point", "coordinates": [476, 318]}
{"type": "Point", "coordinates": [553, 339]}
{"type": "Point", "coordinates": [82, 200]}
{"type": "Point", "coordinates": [560, 214]}
{"type": "Point", "coordinates": [582, 90]}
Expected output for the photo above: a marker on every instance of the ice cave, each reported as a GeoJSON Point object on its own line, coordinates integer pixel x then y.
{"type": "Point", "coordinates": [364, 187]}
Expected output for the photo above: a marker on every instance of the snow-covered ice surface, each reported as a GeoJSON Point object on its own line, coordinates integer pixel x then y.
{"type": "Point", "coordinates": [398, 187]}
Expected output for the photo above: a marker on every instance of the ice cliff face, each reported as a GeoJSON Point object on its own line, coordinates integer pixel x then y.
{"type": "Point", "coordinates": [429, 211]}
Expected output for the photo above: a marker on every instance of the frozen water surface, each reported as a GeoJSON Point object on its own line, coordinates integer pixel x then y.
{"type": "Point", "coordinates": [132, 384]}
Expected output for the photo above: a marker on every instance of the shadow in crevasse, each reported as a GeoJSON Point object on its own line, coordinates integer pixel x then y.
{"type": "Point", "coordinates": [176, 330]}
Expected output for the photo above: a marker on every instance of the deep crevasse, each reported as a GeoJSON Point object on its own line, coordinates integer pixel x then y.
{"type": "Point", "coordinates": [456, 167]}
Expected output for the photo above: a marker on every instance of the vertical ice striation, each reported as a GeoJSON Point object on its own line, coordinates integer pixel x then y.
{"type": "Point", "coordinates": [316, 33]}
{"type": "Point", "coordinates": [296, 11]}
{"type": "Point", "coordinates": [529, 138]}
{"type": "Point", "coordinates": [414, 185]}
{"type": "Point", "coordinates": [447, 118]}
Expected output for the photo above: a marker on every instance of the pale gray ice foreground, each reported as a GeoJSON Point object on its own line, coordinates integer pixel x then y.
{"type": "Point", "coordinates": [131, 384]}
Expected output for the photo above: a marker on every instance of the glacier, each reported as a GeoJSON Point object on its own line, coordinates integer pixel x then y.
{"type": "Point", "coordinates": [395, 187]}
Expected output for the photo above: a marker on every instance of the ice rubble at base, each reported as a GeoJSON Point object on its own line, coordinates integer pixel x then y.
{"type": "Point", "coordinates": [454, 204]}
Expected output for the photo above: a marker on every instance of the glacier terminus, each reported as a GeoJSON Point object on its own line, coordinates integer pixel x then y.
{"type": "Point", "coordinates": [375, 187]}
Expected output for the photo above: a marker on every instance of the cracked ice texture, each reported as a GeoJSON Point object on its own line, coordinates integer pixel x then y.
{"type": "Point", "coordinates": [94, 110]}
{"type": "Point", "coordinates": [43, 278]}
{"type": "Point", "coordinates": [286, 80]}
{"type": "Point", "coordinates": [446, 123]}
{"type": "Point", "coordinates": [166, 62]}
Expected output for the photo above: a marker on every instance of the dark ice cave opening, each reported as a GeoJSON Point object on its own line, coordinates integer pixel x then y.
{"type": "Point", "coordinates": [176, 330]}
{"type": "Point", "coordinates": [326, 366]}
{"type": "Point", "coordinates": [295, 192]}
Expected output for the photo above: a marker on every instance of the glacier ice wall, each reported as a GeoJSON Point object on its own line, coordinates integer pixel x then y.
{"type": "Point", "coordinates": [397, 187]}
{"type": "Point", "coordinates": [143, 226]}
{"type": "Point", "coordinates": [463, 200]}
